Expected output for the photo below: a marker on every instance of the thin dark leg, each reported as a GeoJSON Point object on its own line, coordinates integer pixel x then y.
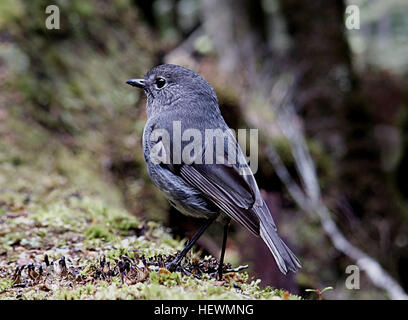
{"type": "Point", "coordinates": [193, 240]}
{"type": "Point", "coordinates": [224, 245]}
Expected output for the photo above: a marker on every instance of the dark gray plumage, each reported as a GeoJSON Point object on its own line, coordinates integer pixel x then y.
{"type": "Point", "coordinates": [175, 93]}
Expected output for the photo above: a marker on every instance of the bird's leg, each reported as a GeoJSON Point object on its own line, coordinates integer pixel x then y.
{"type": "Point", "coordinates": [224, 245]}
{"type": "Point", "coordinates": [170, 266]}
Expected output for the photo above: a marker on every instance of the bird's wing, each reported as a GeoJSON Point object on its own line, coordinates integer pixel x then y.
{"type": "Point", "coordinates": [223, 184]}
{"type": "Point", "coordinates": [207, 179]}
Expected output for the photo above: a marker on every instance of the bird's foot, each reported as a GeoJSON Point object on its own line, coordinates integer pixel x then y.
{"type": "Point", "coordinates": [172, 265]}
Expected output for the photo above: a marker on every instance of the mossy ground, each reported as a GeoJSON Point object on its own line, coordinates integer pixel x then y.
{"type": "Point", "coordinates": [76, 233]}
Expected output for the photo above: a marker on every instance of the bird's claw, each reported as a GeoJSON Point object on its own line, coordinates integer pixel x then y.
{"type": "Point", "coordinates": [172, 266]}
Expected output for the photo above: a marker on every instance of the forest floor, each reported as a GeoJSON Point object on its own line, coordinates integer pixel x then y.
{"type": "Point", "coordinates": [64, 234]}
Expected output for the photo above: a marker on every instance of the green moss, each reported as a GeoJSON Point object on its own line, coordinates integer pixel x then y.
{"type": "Point", "coordinates": [124, 224]}
{"type": "Point", "coordinates": [10, 10]}
{"type": "Point", "coordinates": [117, 253]}
{"type": "Point", "coordinates": [98, 232]}
{"type": "Point", "coordinates": [5, 284]}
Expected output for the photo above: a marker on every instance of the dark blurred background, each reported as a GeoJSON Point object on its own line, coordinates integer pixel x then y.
{"type": "Point", "coordinates": [351, 95]}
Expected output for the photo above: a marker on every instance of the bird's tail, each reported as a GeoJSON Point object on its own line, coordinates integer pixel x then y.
{"type": "Point", "coordinates": [284, 257]}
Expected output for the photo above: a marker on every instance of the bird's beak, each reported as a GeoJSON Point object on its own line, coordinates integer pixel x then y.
{"type": "Point", "coordinates": [140, 83]}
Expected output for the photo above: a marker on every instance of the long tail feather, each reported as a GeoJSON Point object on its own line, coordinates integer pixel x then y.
{"type": "Point", "coordinates": [284, 257]}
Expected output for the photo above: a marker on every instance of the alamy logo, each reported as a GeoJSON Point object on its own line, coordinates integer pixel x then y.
{"type": "Point", "coordinates": [353, 17]}
{"type": "Point", "coordinates": [53, 20]}
{"type": "Point", "coordinates": [353, 280]}
{"type": "Point", "coordinates": [214, 146]}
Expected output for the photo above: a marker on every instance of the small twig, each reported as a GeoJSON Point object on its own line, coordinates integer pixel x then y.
{"type": "Point", "coordinates": [237, 269]}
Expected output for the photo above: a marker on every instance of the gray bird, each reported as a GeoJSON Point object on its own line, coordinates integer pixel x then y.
{"type": "Point", "coordinates": [213, 191]}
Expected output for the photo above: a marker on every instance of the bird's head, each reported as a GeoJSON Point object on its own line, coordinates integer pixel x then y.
{"type": "Point", "coordinates": [167, 84]}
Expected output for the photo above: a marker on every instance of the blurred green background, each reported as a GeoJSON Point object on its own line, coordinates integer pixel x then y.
{"type": "Point", "coordinates": [66, 112]}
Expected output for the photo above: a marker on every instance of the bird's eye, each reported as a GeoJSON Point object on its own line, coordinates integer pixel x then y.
{"type": "Point", "coordinates": [160, 83]}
